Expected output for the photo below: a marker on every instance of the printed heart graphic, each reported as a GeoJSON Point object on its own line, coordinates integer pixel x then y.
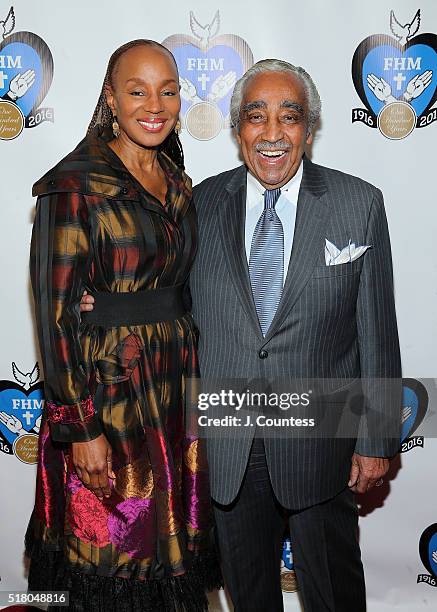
{"type": "Point", "coordinates": [203, 65]}
{"type": "Point", "coordinates": [414, 397]}
{"type": "Point", "coordinates": [428, 546]}
{"type": "Point", "coordinates": [27, 52]}
{"type": "Point", "coordinates": [11, 396]}
{"type": "Point", "coordinates": [384, 57]}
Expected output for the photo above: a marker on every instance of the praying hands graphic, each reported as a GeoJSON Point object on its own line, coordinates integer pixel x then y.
{"type": "Point", "coordinates": [219, 89]}
{"type": "Point", "coordinates": [406, 413]}
{"type": "Point", "coordinates": [20, 85]}
{"type": "Point", "coordinates": [188, 91]}
{"type": "Point", "coordinates": [222, 86]}
{"type": "Point", "coordinates": [382, 90]}
{"type": "Point", "coordinates": [15, 425]}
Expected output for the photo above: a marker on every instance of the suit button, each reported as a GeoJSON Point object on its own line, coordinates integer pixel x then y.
{"type": "Point", "coordinates": [263, 354]}
{"type": "Point", "coordinates": [124, 190]}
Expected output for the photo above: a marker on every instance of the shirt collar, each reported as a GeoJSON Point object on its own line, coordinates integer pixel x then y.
{"type": "Point", "coordinates": [255, 191]}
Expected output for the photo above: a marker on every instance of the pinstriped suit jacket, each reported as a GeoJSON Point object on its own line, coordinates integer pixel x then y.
{"type": "Point", "coordinates": [335, 322]}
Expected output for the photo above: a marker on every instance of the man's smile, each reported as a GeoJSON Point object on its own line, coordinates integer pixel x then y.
{"type": "Point", "coordinates": [272, 157]}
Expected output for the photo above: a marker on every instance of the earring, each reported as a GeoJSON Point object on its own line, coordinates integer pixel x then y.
{"type": "Point", "coordinates": [115, 127]}
{"type": "Point", "coordinates": [178, 127]}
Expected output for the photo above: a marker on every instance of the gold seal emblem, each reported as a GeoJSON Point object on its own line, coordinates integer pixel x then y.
{"type": "Point", "coordinates": [25, 447]}
{"type": "Point", "coordinates": [397, 120]}
{"type": "Point", "coordinates": [11, 120]}
{"type": "Point", "coordinates": [288, 581]}
{"type": "Point", "coordinates": [204, 121]}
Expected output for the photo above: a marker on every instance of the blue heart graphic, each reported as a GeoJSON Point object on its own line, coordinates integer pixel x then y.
{"type": "Point", "coordinates": [28, 59]}
{"type": "Point", "coordinates": [409, 398]}
{"type": "Point", "coordinates": [428, 545]}
{"type": "Point", "coordinates": [217, 56]}
{"type": "Point", "coordinates": [32, 407]}
{"type": "Point", "coordinates": [397, 68]}
{"type": "Point", "coordinates": [432, 547]}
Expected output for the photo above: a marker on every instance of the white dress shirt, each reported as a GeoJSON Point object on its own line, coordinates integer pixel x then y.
{"type": "Point", "coordinates": [286, 208]}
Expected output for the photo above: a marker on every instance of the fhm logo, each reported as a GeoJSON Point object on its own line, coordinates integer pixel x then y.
{"type": "Point", "coordinates": [414, 407]}
{"type": "Point", "coordinates": [21, 405]}
{"type": "Point", "coordinates": [26, 73]}
{"type": "Point", "coordinates": [396, 79]}
{"type": "Point", "coordinates": [288, 576]}
{"type": "Point", "coordinates": [428, 555]}
{"type": "Point", "coordinates": [209, 66]}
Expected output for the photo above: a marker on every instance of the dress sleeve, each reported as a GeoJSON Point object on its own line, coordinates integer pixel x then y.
{"type": "Point", "coordinates": [60, 256]}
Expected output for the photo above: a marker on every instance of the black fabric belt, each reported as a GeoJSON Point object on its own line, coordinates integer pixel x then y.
{"type": "Point", "coordinates": [137, 308]}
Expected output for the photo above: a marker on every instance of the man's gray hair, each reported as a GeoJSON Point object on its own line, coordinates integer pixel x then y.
{"type": "Point", "coordinates": [275, 65]}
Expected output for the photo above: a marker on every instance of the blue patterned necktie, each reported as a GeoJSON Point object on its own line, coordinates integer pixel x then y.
{"type": "Point", "coordinates": [266, 261]}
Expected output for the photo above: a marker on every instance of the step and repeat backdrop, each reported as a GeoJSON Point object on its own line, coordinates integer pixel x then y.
{"type": "Point", "coordinates": [375, 65]}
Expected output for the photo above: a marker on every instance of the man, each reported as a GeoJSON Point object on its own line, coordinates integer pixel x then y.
{"type": "Point", "coordinates": [269, 307]}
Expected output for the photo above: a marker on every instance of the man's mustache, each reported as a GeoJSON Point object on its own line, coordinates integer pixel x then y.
{"type": "Point", "coordinates": [278, 145]}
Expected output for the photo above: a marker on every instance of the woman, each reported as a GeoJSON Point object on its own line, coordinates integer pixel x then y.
{"type": "Point", "coordinates": [122, 511]}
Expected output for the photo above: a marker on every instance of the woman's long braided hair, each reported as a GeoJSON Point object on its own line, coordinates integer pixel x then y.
{"type": "Point", "coordinates": [102, 116]}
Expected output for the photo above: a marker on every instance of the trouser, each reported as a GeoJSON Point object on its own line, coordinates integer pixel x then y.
{"type": "Point", "coordinates": [324, 541]}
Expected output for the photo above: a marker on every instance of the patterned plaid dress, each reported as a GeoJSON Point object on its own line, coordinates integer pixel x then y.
{"type": "Point", "coordinates": [146, 546]}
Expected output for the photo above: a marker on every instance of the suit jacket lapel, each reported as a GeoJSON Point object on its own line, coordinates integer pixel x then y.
{"type": "Point", "coordinates": [231, 220]}
{"type": "Point", "coordinates": [309, 238]}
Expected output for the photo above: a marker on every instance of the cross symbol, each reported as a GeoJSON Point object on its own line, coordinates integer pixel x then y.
{"type": "Point", "coordinates": [28, 416]}
{"type": "Point", "coordinates": [399, 78]}
{"type": "Point", "coordinates": [289, 557]}
{"type": "Point", "coordinates": [3, 77]}
{"type": "Point", "coordinates": [203, 79]}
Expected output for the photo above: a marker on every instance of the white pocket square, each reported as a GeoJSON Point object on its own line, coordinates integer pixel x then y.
{"type": "Point", "coordinates": [335, 256]}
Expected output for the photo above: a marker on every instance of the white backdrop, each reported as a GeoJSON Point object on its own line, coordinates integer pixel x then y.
{"type": "Point", "coordinates": [322, 37]}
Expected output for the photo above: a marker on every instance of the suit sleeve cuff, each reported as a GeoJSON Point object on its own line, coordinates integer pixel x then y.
{"type": "Point", "coordinates": [384, 447]}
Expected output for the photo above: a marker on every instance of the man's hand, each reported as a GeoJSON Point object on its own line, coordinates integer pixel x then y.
{"type": "Point", "coordinates": [366, 471]}
{"type": "Point", "coordinates": [93, 460]}
{"type": "Point", "coordinates": [93, 464]}
{"type": "Point", "coordinates": [86, 303]}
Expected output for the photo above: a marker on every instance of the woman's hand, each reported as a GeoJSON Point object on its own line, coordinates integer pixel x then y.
{"type": "Point", "coordinates": [93, 464]}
